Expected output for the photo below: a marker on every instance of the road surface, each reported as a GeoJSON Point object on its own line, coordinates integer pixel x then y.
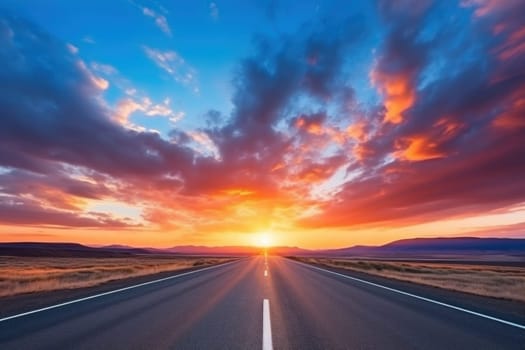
{"type": "Point", "coordinates": [257, 304]}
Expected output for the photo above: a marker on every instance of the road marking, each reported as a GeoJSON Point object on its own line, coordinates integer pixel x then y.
{"type": "Point", "coordinates": [517, 325]}
{"type": "Point", "coordinates": [267, 326]}
{"type": "Point", "coordinates": [265, 273]}
{"type": "Point", "coordinates": [113, 292]}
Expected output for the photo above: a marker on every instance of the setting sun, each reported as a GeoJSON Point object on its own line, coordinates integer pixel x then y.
{"type": "Point", "coordinates": [264, 240]}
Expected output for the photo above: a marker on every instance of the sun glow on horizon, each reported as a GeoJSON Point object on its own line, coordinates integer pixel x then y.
{"type": "Point", "coordinates": [264, 240]}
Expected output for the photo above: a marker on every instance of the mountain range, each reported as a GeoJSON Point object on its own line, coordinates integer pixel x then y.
{"type": "Point", "coordinates": [416, 247]}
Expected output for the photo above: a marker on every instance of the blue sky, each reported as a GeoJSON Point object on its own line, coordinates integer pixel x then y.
{"type": "Point", "coordinates": [211, 37]}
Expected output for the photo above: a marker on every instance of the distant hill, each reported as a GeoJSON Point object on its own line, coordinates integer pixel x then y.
{"type": "Point", "coordinates": [118, 248]}
{"type": "Point", "coordinates": [405, 248]}
{"type": "Point", "coordinates": [35, 249]}
{"type": "Point", "coordinates": [38, 249]}
{"type": "Point", "coordinates": [436, 246]}
{"type": "Point", "coordinates": [458, 244]}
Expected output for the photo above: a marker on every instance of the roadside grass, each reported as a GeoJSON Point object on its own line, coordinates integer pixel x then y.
{"type": "Point", "coordinates": [36, 274]}
{"type": "Point", "coordinates": [492, 281]}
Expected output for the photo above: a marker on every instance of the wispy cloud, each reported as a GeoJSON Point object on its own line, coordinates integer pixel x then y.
{"type": "Point", "coordinates": [214, 11]}
{"type": "Point", "coordinates": [89, 40]}
{"type": "Point", "coordinates": [128, 106]}
{"type": "Point", "coordinates": [103, 68]}
{"type": "Point", "coordinates": [160, 20]}
{"type": "Point", "coordinates": [204, 144]}
{"type": "Point", "coordinates": [173, 64]}
{"type": "Point", "coordinates": [158, 15]}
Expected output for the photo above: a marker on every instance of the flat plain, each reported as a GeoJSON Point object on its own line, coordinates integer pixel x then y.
{"type": "Point", "coordinates": [19, 275]}
{"type": "Point", "coordinates": [505, 282]}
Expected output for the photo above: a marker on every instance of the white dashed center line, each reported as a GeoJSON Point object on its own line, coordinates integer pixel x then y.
{"type": "Point", "coordinates": [267, 327]}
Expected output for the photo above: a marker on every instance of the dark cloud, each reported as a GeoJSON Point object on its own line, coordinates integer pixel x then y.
{"type": "Point", "coordinates": [53, 117]}
{"type": "Point", "coordinates": [51, 112]}
{"type": "Point", "coordinates": [325, 52]}
{"type": "Point", "coordinates": [18, 211]}
{"type": "Point", "coordinates": [45, 188]}
{"type": "Point", "coordinates": [267, 85]}
{"type": "Point", "coordinates": [450, 153]}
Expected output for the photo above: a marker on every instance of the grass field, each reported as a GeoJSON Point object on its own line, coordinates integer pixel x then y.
{"type": "Point", "coordinates": [494, 281]}
{"type": "Point", "coordinates": [30, 274]}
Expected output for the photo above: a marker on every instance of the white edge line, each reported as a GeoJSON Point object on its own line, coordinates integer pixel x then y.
{"type": "Point", "coordinates": [267, 327]}
{"type": "Point", "coordinates": [113, 292]}
{"type": "Point", "coordinates": [517, 325]}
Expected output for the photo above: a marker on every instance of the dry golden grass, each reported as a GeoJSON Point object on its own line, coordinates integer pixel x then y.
{"type": "Point", "coordinates": [494, 281]}
{"type": "Point", "coordinates": [27, 274]}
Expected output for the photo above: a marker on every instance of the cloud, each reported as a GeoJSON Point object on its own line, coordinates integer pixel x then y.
{"type": "Point", "coordinates": [99, 82]}
{"type": "Point", "coordinates": [26, 212]}
{"type": "Point", "coordinates": [103, 68]}
{"type": "Point", "coordinates": [59, 121]}
{"type": "Point", "coordinates": [72, 48]}
{"type": "Point", "coordinates": [59, 118]}
{"type": "Point", "coordinates": [128, 106]}
{"type": "Point", "coordinates": [205, 142]}
{"type": "Point", "coordinates": [160, 20]}
{"type": "Point", "coordinates": [257, 155]}
{"type": "Point", "coordinates": [89, 40]}
{"type": "Point", "coordinates": [401, 58]}
{"type": "Point", "coordinates": [158, 14]}
{"type": "Point", "coordinates": [173, 64]}
{"type": "Point", "coordinates": [38, 134]}
{"type": "Point", "coordinates": [418, 148]}
{"type": "Point", "coordinates": [443, 138]}
{"type": "Point", "coordinates": [450, 152]}
{"type": "Point", "coordinates": [55, 199]}
{"type": "Point", "coordinates": [214, 11]}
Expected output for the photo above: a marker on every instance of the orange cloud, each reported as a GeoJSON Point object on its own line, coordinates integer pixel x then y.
{"type": "Point", "coordinates": [357, 131]}
{"type": "Point", "coordinates": [428, 146]}
{"type": "Point", "coordinates": [361, 152]}
{"type": "Point", "coordinates": [398, 92]}
{"type": "Point", "coordinates": [316, 172]}
{"type": "Point", "coordinates": [418, 148]}
{"type": "Point", "coordinates": [312, 126]}
{"type": "Point", "coordinates": [514, 116]}
{"type": "Point", "coordinates": [445, 128]}
{"type": "Point", "coordinates": [238, 192]}
{"type": "Point", "coordinates": [124, 109]}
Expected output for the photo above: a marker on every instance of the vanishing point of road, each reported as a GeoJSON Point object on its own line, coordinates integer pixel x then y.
{"type": "Point", "coordinates": [261, 303]}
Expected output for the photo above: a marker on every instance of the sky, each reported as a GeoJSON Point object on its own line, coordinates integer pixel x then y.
{"type": "Point", "coordinates": [314, 124]}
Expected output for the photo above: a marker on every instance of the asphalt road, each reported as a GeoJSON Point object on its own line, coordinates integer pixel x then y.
{"type": "Point", "coordinates": [222, 308]}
